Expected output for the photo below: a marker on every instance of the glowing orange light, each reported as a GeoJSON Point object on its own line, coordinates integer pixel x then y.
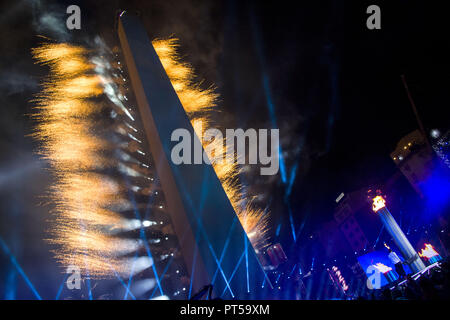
{"type": "Point", "coordinates": [378, 203]}
{"type": "Point", "coordinates": [428, 252]}
{"type": "Point", "coordinates": [340, 278]}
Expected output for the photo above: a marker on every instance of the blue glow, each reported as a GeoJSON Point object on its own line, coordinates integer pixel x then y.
{"type": "Point", "coordinates": [193, 266]}
{"type": "Point", "coordinates": [379, 235]}
{"type": "Point", "coordinates": [282, 167]}
{"type": "Point", "coordinates": [278, 278]}
{"type": "Point", "coordinates": [149, 254]}
{"type": "Point", "coordinates": [267, 92]}
{"type": "Point", "coordinates": [162, 275]}
{"type": "Point", "coordinates": [277, 232]}
{"type": "Point", "coordinates": [234, 271]}
{"type": "Point", "coordinates": [291, 179]}
{"type": "Point", "coordinates": [437, 190]}
{"type": "Point", "coordinates": [122, 282]}
{"type": "Point", "coordinates": [291, 221]}
{"type": "Point", "coordinates": [246, 261]}
{"type": "Point", "coordinates": [19, 268]}
{"type": "Point", "coordinates": [300, 229]}
{"type": "Point", "coordinates": [380, 256]}
{"type": "Point", "coordinates": [205, 236]}
{"type": "Point", "coordinates": [10, 291]}
{"type": "Point", "coordinates": [130, 279]}
{"type": "Point", "coordinates": [168, 265]}
{"type": "Point", "coordinates": [88, 281]}
{"type": "Point", "coordinates": [292, 271]}
{"type": "Point", "coordinates": [227, 241]}
{"type": "Point", "coordinates": [61, 287]}
{"type": "Point", "coordinates": [142, 234]}
{"type": "Point", "coordinates": [220, 267]}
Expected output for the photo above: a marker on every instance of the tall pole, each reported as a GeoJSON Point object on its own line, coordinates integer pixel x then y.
{"type": "Point", "coordinates": [416, 113]}
{"type": "Point", "coordinates": [411, 257]}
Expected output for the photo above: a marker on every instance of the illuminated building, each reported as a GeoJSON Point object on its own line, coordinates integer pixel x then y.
{"type": "Point", "coordinates": [347, 207]}
{"type": "Point", "coordinates": [407, 250]}
{"type": "Point", "coordinates": [441, 145]}
{"type": "Point", "coordinates": [414, 159]}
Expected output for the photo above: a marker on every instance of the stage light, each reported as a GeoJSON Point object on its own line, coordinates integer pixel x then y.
{"type": "Point", "coordinates": [161, 298]}
{"type": "Point", "coordinates": [147, 223]}
{"type": "Point", "coordinates": [435, 133]}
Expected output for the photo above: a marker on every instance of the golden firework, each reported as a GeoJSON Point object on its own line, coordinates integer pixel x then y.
{"type": "Point", "coordinates": [66, 128]}
{"type": "Point", "coordinates": [199, 103]}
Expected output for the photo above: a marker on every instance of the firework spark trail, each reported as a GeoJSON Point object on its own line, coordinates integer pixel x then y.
{"type": "Point", "coordinates": [73, 140]}
{"type": "Point", "coordinates": [77, 150]}
{"type": "Point", "coordinates": [199, 104]}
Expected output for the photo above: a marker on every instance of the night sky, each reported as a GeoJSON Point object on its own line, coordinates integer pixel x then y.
{"type": "Point", "coordinates": [333, 85]}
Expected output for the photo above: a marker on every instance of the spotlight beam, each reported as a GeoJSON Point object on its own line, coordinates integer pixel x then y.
{"type": "Point", "coordinates": [234, 271]}
{"type": "Point", "coordinates": [19, 268]}
{"type": "Point", "coordinates": [143, 236]}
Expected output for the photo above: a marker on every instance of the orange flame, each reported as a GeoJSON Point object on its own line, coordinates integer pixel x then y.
{"type": "Point", "coordinates": [378, 203]}
{"type": "Point", "coordinates": [428, 252]}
